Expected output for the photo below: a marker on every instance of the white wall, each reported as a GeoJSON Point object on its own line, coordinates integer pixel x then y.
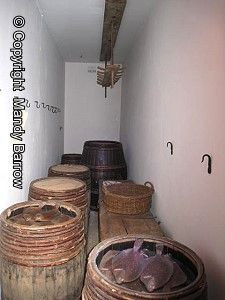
{"type": "Point", "coordinates": [174, 90]}
{"type": "Point", "coordinates": [44, 76]}
{"type": "Point", "coordinates": [88, 115]}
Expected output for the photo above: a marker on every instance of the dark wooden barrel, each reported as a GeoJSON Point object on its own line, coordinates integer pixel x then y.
{"type": "Point", "coordinates": [42, 248]}
{"type": "Point", "coordinates": [106, 161]}
{"type": "Point", "coordinates": [69, 190]}
{"type": "Point", "coordinates": [98, 287]}
{"type": "Point", "coordinates": [71, 158]}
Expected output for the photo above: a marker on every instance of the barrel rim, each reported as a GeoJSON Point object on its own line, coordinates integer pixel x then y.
{"type": "Point", "coordinates": [37, 203]}
{"type": "Point", "coordinates": [72, 154]}
{"type": "Point", "coordinates": [191, 255]}
{"type": "Point", "coordinates": [86, 169]}
{"type": "Point", "coordinates": [102, 143]}
{"type": "Point", "coordinates": [68, 191]}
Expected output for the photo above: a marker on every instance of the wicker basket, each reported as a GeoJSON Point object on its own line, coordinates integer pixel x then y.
{"type": "Point", "coordinates": [128, 199]}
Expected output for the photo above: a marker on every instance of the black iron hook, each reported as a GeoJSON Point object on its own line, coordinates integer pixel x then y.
{"type": "Point", "coordinates": [37, 104]}
{"type": "Point", "coordinates": [171, 147]}
{"type": "Point", "coordinates": [209, 162]}
{"type": "Point", "coordinates": [27, 103]}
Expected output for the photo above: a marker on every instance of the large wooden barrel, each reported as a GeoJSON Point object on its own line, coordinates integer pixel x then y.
{"type": "Point", "coordinates": [98, 287]}
{"type": "Point", "coordinates": [71, 158]}
{"type": "Point", "coordinates": [70, 190]}
{"type": "Point", "coordinates": [42, 248]}
{"type": "Point", "coordinates": [106, 161]}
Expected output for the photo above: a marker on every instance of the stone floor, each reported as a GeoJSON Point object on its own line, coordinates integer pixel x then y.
{"type": "Point", "coordinates": [93, 235]}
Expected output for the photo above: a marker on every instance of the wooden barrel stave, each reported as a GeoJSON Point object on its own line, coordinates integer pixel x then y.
{"type": "Point", "coordinates": [73, 191]}
{"type": "Point", "coordinates": [63, 282]}
{"type": "Point", "coordinates": [35, 261]}
{"type": "Point", "coordinates": [106, 161]}
{"type": "Point", "coordinates": [71, 158]}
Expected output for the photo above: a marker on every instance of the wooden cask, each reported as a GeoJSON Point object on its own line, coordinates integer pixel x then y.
{"type": "Point", "coordinates": [69, 190]}
{"type": "Point", "coordinates": [71, 158]}
{"type": "Point", "coordinates": [71, 170]}
{"type": "Point", "coordinates": [99, 287]}
{"type": "Point", "coordinates": [106, 161]}
{"type": "Point", "coordinates": [42, 248]}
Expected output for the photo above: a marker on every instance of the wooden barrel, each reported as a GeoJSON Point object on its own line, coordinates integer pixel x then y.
{"type": "Point", "coordinates": [70, 170]}
{"type": "Point", "coordinates": [106, 161]}
{"type": "Point", "coordinates": [70, 190]}
{"type": "Point", "coordinates": [71, 158]}
{"type": "Point", "coordinates": [42, 248]}
{"type": "Point", "coordinates": [99, 287]}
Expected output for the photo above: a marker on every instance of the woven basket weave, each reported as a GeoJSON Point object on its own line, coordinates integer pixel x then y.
{"type": "Point", "coordinates": [128, 199]}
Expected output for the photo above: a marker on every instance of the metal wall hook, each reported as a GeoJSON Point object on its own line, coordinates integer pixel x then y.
{"type": "Point", "coordinates": [171, 147]}
{"type": "Point", "coordinates": [27, 103]}
{"type": "Point", "coordinates": [209, 162]}
{"type": "Point", "coordinates": [37, 104]}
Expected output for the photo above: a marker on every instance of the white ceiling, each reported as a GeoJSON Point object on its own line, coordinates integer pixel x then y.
{"type": "Point", "coordinates": [76, 26]}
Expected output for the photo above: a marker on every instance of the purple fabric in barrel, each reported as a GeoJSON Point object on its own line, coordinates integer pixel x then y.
{"type": "Point", "coordinates": [178, 278]}
{"type": "Point", "coordinates": [129, 264]}
{"type": "Point", "coordinates": [158, 272]}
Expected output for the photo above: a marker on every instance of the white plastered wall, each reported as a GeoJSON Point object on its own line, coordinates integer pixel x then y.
{"type": "Point", "coordinates": [88, 115]}
{"type": "Point", "coordinates": [174, 90]}
{"type": "Point", "coordinates": [44, 76]}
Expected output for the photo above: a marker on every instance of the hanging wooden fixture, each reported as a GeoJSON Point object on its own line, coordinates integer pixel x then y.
{"type": "Point", "coordinates": [109, 75]}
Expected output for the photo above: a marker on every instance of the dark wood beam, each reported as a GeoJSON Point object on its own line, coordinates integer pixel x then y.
{"type": "Point", "coordinates": [114, 10]}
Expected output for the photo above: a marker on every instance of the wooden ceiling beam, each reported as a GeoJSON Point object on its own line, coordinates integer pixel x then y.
{"type": "Point", "coordinates": [114, 10]}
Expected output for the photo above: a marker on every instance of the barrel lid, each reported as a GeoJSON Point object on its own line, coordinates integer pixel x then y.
{"type": "Point", "coordinates": [69, 168]}
{"type": "Point", "coordinates": [58, 184]}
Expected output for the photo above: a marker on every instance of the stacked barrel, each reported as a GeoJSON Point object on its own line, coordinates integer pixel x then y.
{"type": "Point", "coordinates": [71, 170]}
{"type": "Point", "coordinates": [43, 240]}
{"type": "Point", "coordinates": [42, 251]}
{"type": "Point", "coordinates": [69, 190]}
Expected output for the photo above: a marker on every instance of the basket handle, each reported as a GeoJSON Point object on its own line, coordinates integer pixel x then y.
{"type": "Point", "coordinates": [150, 185]}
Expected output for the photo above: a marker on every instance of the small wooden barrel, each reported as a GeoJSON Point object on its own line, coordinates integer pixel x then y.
{"type": "Point", "coordinates": [106, 161]}
{"type": "Point", "coordinates": [42, 248]}
{"type": "Point", "coordinates": [99, 287]}
{"type": "Point", "coordinates": [71, 158]}
{"type": "Point", "coordinates": [70, 170]}
{"type": "Point", "coordinates": [70, 190]}
{"type": "Point", "coordinates": [128, 198]}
